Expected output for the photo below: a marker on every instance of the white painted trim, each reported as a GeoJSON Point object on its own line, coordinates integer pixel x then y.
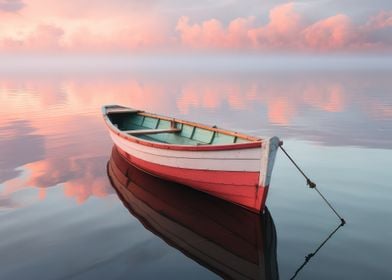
{"type": "Point", "coordinates": [232, 160]}
{"type": "Point", "coordinates": [268, 154]}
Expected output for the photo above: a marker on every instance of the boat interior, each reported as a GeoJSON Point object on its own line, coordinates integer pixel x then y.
{"type": "Point", "coordinates": [172, 131]}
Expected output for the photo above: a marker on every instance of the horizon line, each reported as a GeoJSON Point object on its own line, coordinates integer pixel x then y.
{"type": "Point", "coordinates": [225, 61]}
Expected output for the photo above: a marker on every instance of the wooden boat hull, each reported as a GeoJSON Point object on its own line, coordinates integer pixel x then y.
{"type": "Point", "coordinates": [238, 173]}
{"type": "Point", "coordinates": [228, 240]}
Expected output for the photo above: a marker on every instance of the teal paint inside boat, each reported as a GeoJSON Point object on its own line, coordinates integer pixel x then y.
{"type": "Point", "coordinates": [188, 134]}
{"type": "Point", "coordinates": [187, 130]}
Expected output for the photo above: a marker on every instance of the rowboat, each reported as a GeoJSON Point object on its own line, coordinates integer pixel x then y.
{"type": "Point", "coordinates": [226, 164]}
{"type": "Point", "coordinates": [230, 241]}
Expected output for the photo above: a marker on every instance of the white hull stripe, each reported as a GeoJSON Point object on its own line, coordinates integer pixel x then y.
{"type": "Point", "coordinates": [231, 160]}
{"type": "Point", "coordinates": [251, 153]}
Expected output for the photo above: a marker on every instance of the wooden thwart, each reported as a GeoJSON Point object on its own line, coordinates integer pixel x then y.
{"type": "Point", "coordinates": [151, 131]}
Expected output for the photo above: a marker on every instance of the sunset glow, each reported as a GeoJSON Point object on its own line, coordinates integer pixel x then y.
{"type": "Point", "coordinates": [157, 26]}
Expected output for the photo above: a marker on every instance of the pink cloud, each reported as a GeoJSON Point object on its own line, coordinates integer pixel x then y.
{"type": "Point", "coordinates": [119, 39]}
{"type": "Point", "coordinates": [238, 28]}
{"type": "Point", "coordinates": [280, 32]}
{"type": "Point", "coordinates": [329, 34]}
{"type": "Point", "coordinates": [382, 20]}
{"type": "Point", "coordinates": [208, 34]}
{"type": "Point", "coordinates": [286, 29]}
{"type": "Point", "coordinates": [42, 38]}
{"type": "Point", "coordinates": [45, 37]}
{"type": "Point", "coordinates": [282, 29]}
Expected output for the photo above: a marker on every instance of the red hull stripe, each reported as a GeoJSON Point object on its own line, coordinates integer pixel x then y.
{"type": "Point", "coordinates": [237, 187]}
{"type": "Point", "coordinates": [212, 177]}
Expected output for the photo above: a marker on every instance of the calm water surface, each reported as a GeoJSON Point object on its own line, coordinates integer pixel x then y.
{"type": "Point", "coordinates": [61, 218]}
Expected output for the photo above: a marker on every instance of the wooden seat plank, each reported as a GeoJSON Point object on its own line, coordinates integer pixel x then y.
{"type": "Point", "coordinates": [151, 131]}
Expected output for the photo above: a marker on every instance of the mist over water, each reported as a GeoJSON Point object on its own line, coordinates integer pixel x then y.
{"type": "Point", "coordinates": [61, 218]}
{"type": "Point", "coordinates": [191, 62]}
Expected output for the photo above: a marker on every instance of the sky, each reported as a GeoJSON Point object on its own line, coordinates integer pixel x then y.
{"type": "Point", "coordinates": [203, 26]}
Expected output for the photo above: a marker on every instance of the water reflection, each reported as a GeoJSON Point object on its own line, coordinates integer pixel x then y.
{"type": "Point", "coordinates": [309, 256]}
{"type": "Point", "coordinates": [79, 177]}
{"type": "Point", "coordinates": [54, 148]}
{"type": "Point", "coordinates": [51, 131]}
{"type": "Point", "coordinates": [230, 241]}
{"type": "Point", "coordinates": [304, 105]}
{"type": "Point", "coordinates": [19, 146]}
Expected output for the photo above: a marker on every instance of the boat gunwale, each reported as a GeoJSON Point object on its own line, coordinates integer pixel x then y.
{"type": "Point", "coordinates": [255, 142]}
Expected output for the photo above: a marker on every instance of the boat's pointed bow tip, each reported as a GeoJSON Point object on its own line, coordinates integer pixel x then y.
{"type": "Point", "coordinates": [275, 141]}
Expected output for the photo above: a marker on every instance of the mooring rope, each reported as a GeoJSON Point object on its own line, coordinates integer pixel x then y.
{"type": "Point", "coordinates": [312, 185]}
{"type": "Point", "coordinates": [311, 255]}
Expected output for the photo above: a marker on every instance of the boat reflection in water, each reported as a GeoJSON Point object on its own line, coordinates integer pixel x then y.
{"type": "Point", "coordinates": [228, 240]}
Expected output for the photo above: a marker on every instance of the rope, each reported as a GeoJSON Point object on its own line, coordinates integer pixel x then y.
{"type": "Point", "coordinates": [311, 255]}
{"type": "Point", "coordinates": [312, 185]}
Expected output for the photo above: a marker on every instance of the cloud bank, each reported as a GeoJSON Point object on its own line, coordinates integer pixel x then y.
{"type": "Point", "coordinates": [285, 28]}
